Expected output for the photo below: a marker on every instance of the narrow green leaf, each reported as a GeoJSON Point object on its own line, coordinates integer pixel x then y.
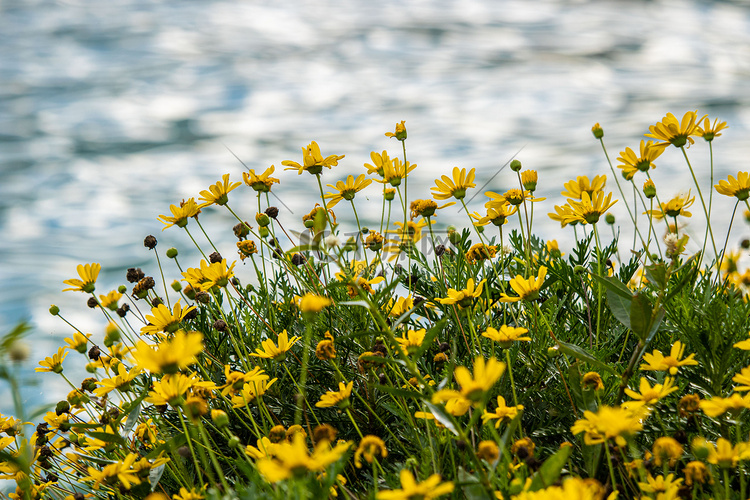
{"type": "Point", "coordinates": [614, 285]}
{"type": "Point", "coordinates": [441, 416]}
{"type": "Point", "coordinates": [582, 354]}
{"type": "Point", "coordinates": [657, 274]}
{"type": "Point", "coordinates": [154, 475]}
{"type": "Point", "coordinates": [620, 307]}
{"type": "Point", "coordinates": [472, 487]}
{"type": "Point", "coordinates": [550, 470]}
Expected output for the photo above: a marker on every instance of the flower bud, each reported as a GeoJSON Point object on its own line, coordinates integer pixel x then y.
{"type": "Point", "coordinates": [176, 286]}
{"type": "Point", "coordinates": [263, 232]}
{"type": "Point", "coordinates": [234, 442]}
{"type": "Point", "coordinates": [122, 289]}
{"type": "Point", "coordinates": [272, 212]}
{"type": "Point", "coordinates": [54, 310]}
{"type": "Point", "coordinates": [150, 242]}
{"type": "Point", "coordinates": [649, 189]}
{"type": "Point", "coordinates": [172, 253]}
{"type": "Point", "coordinates": [597, 131]}
{"type": "Point", "coordinates": [263, 220]}
{"type": "Point", "coordinates": [515, 165]}
{"type": "Point", "coordinates": [609, 219]}
{"type": "Point", "coordinates": [220, 418]}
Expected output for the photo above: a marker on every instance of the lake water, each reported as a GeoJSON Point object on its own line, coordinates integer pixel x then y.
{"type": "Point", "coordinates": [110, 111]}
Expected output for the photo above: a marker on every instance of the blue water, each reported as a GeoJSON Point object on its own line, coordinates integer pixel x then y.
{"type": "Point", "coordinates": [110, 111]}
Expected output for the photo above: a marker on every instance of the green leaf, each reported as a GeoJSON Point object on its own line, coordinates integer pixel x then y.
{"type": "Point", "coordinates": [613, 285]}
{"type": "Point", "coordinates": [107, 437]}
{"type": "Point", "coordinates": [399, 392]}
{"type": "Point", "coordinates": [472, 487]}
{"type": "Point", "coordinates": [11, 337]}
{"type": "Point", "coordinates": [582, 354]}
{"type": "Point", "coordinates": [155, 474]}
{"type": "Point", "coordinates": [620, 306]}
{"type": "Point", "coordinates": [550, 470]}
{"type": "Point", "coordinates": [657, 274]}
{"type": "Point", "coordinates": [429, 337]}
{"type": "Point", "coordinates": [441, 416]}
{"type": "Point", "coordinates": [640, 315]}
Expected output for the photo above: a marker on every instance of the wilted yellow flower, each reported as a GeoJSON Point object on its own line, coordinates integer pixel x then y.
{"type": "Point", "coordinates": [480, 252]}
{"type": "Point", "coordinates": [325, 348]}
{"type": "Point", "coordinates": [593, 380]}
{"type": "Point", "coordinates": [696, 472]}
{"type": "Point", "coordinates": [488, 451]}
{"type": "Point", "coordinates": [368, 448]}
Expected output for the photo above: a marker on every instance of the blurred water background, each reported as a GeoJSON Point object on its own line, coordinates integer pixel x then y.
{"type": "Point", "coordinates": [111, 111]}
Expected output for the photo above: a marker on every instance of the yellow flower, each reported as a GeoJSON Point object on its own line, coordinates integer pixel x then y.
{"type": "Point", "coordinates": [271, 351]}
{"type": "Point", "coordinates": [581, 184]}
{"type": "Point", "coordinates": [666, 450]}
{"type": "Point", "coordinates": [338, 398]}
{"type": "Point", "coordinates": [696, 472]}
{"type": "Point", "coordinates": [394, 171]}
{"type": "Point", "coordinates": [411, 490]}
{"type": "Point", "coordinates": [727, 456]}
{"type": "Point", "coordinates": [502, 413]}
{"type": "Point", "coordinates": [311, 303]}
{"type": "Point", "coordinates": [261, 183]}
{"type": "Point", "coordinates": [592, 380]}
{"type": "Point", "coordinates": [235, 381]}
{"type": "Point", "coordinates": [400, 133]}
{"type": "Point", "coordinates": [529, 179]}
{"type": "Point", "coordinates": [368, 448]}
{"type": "Point", "coordinates": [292, 459]}
{"type": "Point", "coordinates": [527, 289]}
{"type": "Point", "coordinates": [455, 188]}
{"type": "Point", "coordinates": [708, 131]}
{"type": "Point", "coordinates": [718, 406]}
{"type": "Point", "coordinates": [312, 160]}
{"type": "Point", "coordinates": [412, 340]}
{"type": "Point", "coordinates": [426, 208]}
{"type": "Point", "coordinates": [347, 190]}
{"type": "Point", "coordinates": [630, 163]}
{"type": "Point", "coordinates": [110, 300]}
{"type": "Point", "coordinates": [591, 207]}
{"type": "Point", "coordinates": [649, 395]}
{"type": "Point", "coordinates": [658, 362]}
{"type": "Point", "coordinates": [661, 487]}
{"type": "Point", "coordinates": [326, 348]}
{"type": "Point", "coordinates": [164, 320]}
{"type": "Point", "coordinates": [209, 275]}
{"type": "Point", "coordinates": [739, 187]}
{"type": "Point", "coordinates": [119, 473]}
{"type": "Point", "coordinates": [380, 161]}
{"type": "Point", "coordinates": [186, 494]}
{"type": "Point", "coordinates": [671, 131]}
{"type": "Point", "coordinates": [506, 335]}
{"type": "Point", "coordinates": [463, 298]}
{"type": "Point", "coordinates": [609, 423]}
{"type": "Point", "coordinates": [480, 252]}
{"type": "Point", "coordinates": [79, 342]}
{"type": "Point", "coordinates": [473, 386]}
{"type": "Point", "coordinates": [674, 207]}
{"type": "Point", "coordinates": [54, 363]}
{"type": "Point", "coordinates": [252, 389]}
{"type": "Point", "coordinates": [170, 355]}
{"type": "Point", "coordinates": [564, 215]}
{"type": "Point", "coordinates": [120, 382]}
{"type": "Point", "coordinates": [488, 451]}
{"type": "Point", "coordinates": [88, 274]}
{"type": "Point", "coordinates": [512, 196]}
{"type": "Point", "coordinates": [553, 248]}
{"type": "Point", "coordinates": [498, 212]}
{"type": "Point", "coordinates": [742, 378]}
{"type": "Point", "coordinates": [218, 193]}
{"type": "Point", "coordinates": [246, 248]}
{"type": "Point", "coordinates": [597, 131]}
{"type": "Point", "coordinates": [181, 214]}
{"type": "Point", "coordinates": [171, 389]}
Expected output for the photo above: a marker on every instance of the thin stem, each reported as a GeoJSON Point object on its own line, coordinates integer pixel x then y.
{"type": "Point", "coordinates": [703, 203]}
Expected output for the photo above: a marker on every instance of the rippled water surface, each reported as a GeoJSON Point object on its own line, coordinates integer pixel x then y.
{"type": "Point", "coordinates": [110, 111]}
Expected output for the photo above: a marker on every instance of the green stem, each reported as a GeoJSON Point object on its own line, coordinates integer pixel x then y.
{"type": "Point", "coordinates": [703, 203]}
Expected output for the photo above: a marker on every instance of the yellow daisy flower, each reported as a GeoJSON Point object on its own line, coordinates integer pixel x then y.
{"type": "Point", "coordinates": [53, 363]}
{"type": "Point", "coordinates": [169, 355]}
{"type": "Point", "coordinates": [368, 448]}
{"type": "Point", "coordinates": [727, 456]}
{"type": "Point", "coordinates": [656, 361]}
{"type": "Point", "coordinates": [120, 382]}
{"type": "Point", "coordinates": [411, 341]}
{"type": "Point", "coordinates": [400, 132]}
{"type": "Point", "coordinates": [743, 377]}
{"type": "Point", "coordinates": [674, 207]}
{"type": "Point", "coordinates": [527, 289]}
{"type": "Point", "coordinates": [708, 131]}
{"type": "Point", "coordinates": [473, 386]}
{"type": "Point", "coordinates": [591, 207]}
{"type": "Point", "coordinates": [649, 395]}
{"type": "Point", "coordinates": [346, 190]}
{"type": "Point", "coordinates": [630, 163]}
{"type": "Point", "coordinates": [581, 184]}
{"type": "Point", "coordinates": [394, 171]}
{"type": "Point", "coordinates": [338, 398]}
{"type": "Point", "coordinates": [497, 213]}
{"type": "Point", "coordinates": [162, 319]}
{"type": "Point", "coordinates": [110, 300]}
{"type": "Point", "coordinates": [261, 183]}
{"type": "Point", "coordinates": [180, 214]}
{"type": "Point", "coordinates": [88, 274]}
{"type": "Point", "coordinates": [446, 188]}
{"type": "Point", "coordinates": [739, 187]}
{"type": "Point", "coordinates": [380, 161]}
{"type": "Point", "coordinates": [506, 335]}
{"type": "Point", "coordinates": [463, 298]}
{"type": "Point", "coordinates": [293, 458]}
{"type": "Point", "coordinates": [271, 351]}
{"type": "Point", "coordinates": [218, 193]}
{"type": "Point", "coordinates": [311, 303]}
{"type": "Point", "coordinates": [677, 133]}
{"type": "Point", "coordinates": [503, 412]}
{"type": "Point", "coordinates": [410, 489]}
{"type": "Point", "coordinates": [79, 342]}
{"type": "Point", "coordinates": [312, 160]}
{"type": "Point", "coordinates": [251, 390]}
{"type": "Point", "coordinates": [608, 423]}
{"type": "Point", "coordinates": [715, 407]}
